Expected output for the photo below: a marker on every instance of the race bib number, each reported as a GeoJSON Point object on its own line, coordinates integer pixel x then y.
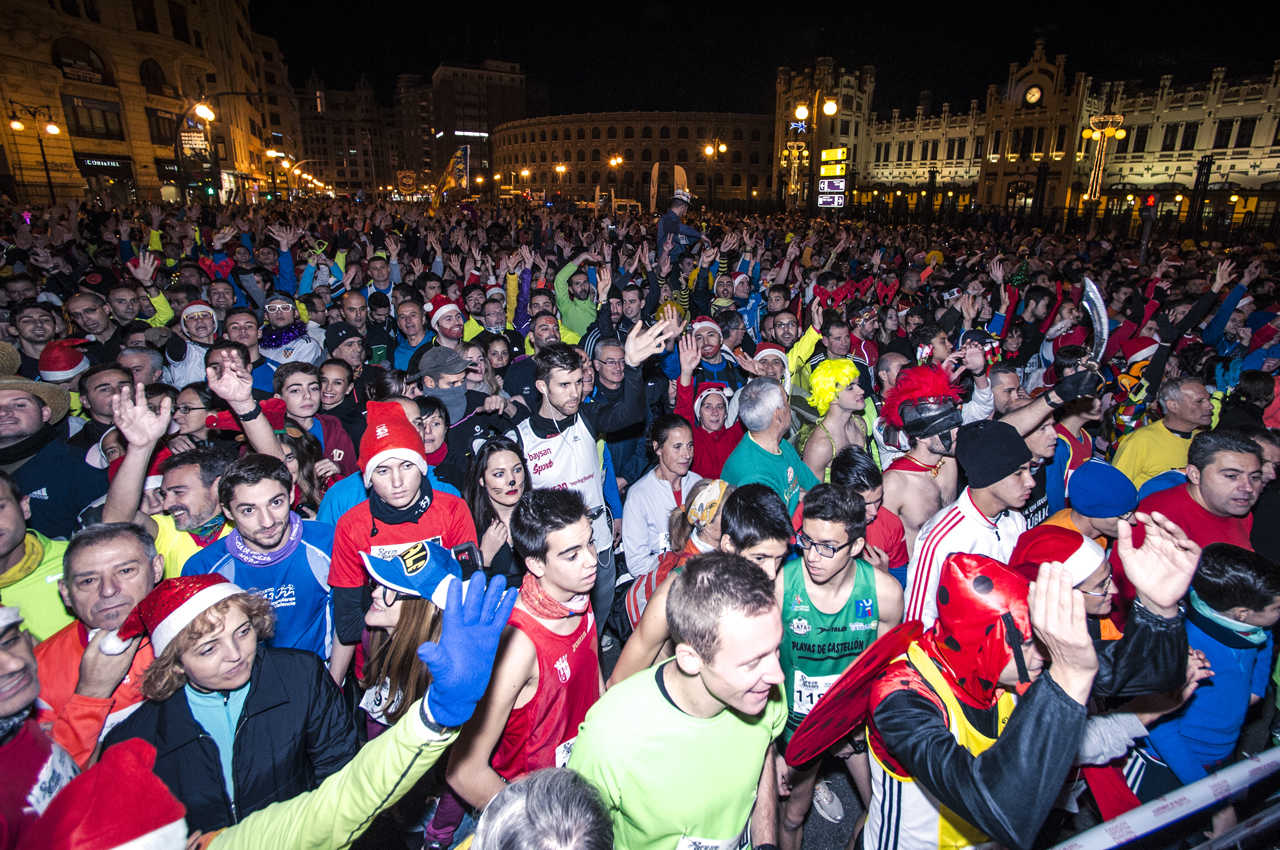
{"type": "Point", "coordinates": [564, 751]}
{"type": "Point", "coordinates": [740, 843]}
{"type": "Point", "coordinates": [807, 690]}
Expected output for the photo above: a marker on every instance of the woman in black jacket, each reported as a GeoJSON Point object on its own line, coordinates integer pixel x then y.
{"type": "Point", "coordinates": [237, 725]}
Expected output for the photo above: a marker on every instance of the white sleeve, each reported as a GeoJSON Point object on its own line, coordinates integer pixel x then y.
{"type": "Point", "coordinates": [638, 542]}
{"type": "Point", "coordinates": [980, 406]}
{"type": "Point", "coordinates": [1109, 736]}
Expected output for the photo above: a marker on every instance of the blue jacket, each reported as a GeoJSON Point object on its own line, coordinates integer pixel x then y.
{"type": "Point", "coordinates": [348, 492]}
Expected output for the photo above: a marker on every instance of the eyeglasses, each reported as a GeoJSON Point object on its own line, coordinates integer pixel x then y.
{"type": "Point", "coordinates": [826, 550]}
{"type": "Point", "coordinates": [279, 308]}
{"type": "Point", "coordinates": [1104, 590]}
{"type": "Point", "coordinates": [613, 361]}
{"type": "Point", "coordinates": [389, 596]}
{"type": "Point", "coordinates": [184, 409]}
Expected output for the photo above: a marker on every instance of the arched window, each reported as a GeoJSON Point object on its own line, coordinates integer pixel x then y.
{"type": "Point", "coordinates": [646, 155]}
{"type": "Point", "coordinates": [582, 177]}
{"type": "Point", "coordinates": [595, 132]}
{"type": "Point", "coordinates": [581, 134]}
{"type": "Point", "coordinates": [542, 136]}
{"type": "Point", "coordinates": [555, 134]}
{"type": "Point", "coordinates": [629, 155]}
{"type": "Point", "coordinates": [81, 62]}
{"type": "Point", "coordinates": [682, 132]}
{"type": "Point", "coordinates": [582, 156]}
{"type": "Point", "coordinates": [595, 154]}
{"type": "Point", "coordinates": [664, 155]}
{"type": "Point", "coordinates": [664, 132]}
{"type": "Point", "coordinates": [152, 77]}
{"type": "Point", "coordinates": [646, 132]}
{"type": "Point", "coordinates": [628, 132]}
{"type": "Point", "coordinates": [612, 133]}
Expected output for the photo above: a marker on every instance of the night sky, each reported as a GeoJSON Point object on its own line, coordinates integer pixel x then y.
{"type": "Point", "coordinates": [687, 56]}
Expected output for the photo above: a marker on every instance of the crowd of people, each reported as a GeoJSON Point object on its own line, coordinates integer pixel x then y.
{"type": "Point", "coordinates": [265, 473]}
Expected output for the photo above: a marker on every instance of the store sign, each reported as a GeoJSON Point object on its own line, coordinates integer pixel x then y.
{"type": "Point", "coordinates": [831, 200]}
{"type": "Point", "coordinates": [831, 169]}
{"type": "Point", "coordinates": [113, 166]}
{"type": "Point", "coordinates": [834, 154]}
{"type": "Point", "coordinates": [835, 184]}
{"type": "Point", "coordinates": [193, 141]}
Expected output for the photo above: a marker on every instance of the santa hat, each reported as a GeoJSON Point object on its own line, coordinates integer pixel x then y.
{"type": "Point", "coordinates": [740, 276]}
{"type": "Point", "coordinates": [389, 435]}
{"type": "Point", "coordinates": [1138, 349]}
{"type": "Point", "coordinates": [770, 349]}
{"type": "Point", "coordinates": [196, 307]}
{"type": "Point", "coordinates": [707, 389]}
{"type": "Point", "coordinates": [168, 609]}
{"type": "Point", "coordinates": [61, 360]}
{"type": "Point", "coordinates": [154, 479]}
{"type": "Point", "coordinates": [442, 306]}
{"type": "Point", "coordinates": [1047, 543]}
{"type": "Point", "coordinates": [99, 809]}
{"type": "Point", "coordinates": [706, 323]}
{"type": "Point", "coordinates": [495, 290]}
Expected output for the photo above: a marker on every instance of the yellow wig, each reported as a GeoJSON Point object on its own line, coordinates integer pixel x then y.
{"type": "Point", "coordinates": [829, 380]}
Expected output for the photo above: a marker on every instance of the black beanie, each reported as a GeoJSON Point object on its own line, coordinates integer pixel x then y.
{"type": "Point", "coordinates": [989, 451]}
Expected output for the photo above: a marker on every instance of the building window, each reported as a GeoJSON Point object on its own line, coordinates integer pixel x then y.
{"type": "Point", "coordinates": [960, 145]}
{"type": "Point", "coordinates": [911, 149]}
{"type": "Point", "coordinates": [1244, 133]}
{"type": "Point", "coordinates": [93, 119]}
{"type": "Point", "coordinates": [199, 39]}
{"type": "Point", "coordinates": [755, 157]}
{"type": "Point", "coordinates": [1222, 136]}
{"type": "Point", "coordinates": [1060, 143]}
{"type": "Point", "coordinates": [542, 137]}
{"type": "Point", "coordinates": [163, 126]}
{"type": "Point", "coordinates": [682, 132]}
{"type": "Point", "coordinates": [664, 155]}
{"type": "Point", "coordinates": [755, 135]}
{"type": "Point", "coordinates": [595, 132]}
{"type": "Point", "coordinates": [582, 156]}
{"type": "Point", "coordinates": [582, 177]}
{"type": "Point", "coordinates": [844, 126]}
{"type": "Point", "coordinates": [995, 143]}
{"type": "Point", "coordinates": [144, 16]}
{"type": "Point", "coordinates": [555, 135]}
{"type": "Point", "coordinates": [272, 100]}
{"type": "Point", "coordinates": [737, 134]}
{"type": "Point", "coordinates": [81, 63]}
{"type": "Point", "coordinates": [1190, 131]}
{"type": "Point", "coordinates": [1170, 140]}
{"type": "Point", "coordinates": [1140, 138]}
{"type": "Point", "coordinates": [736, 156]}
{"type": "Point", "coordinates": [152, 78]}
{"type": "Point", "coordinates": [275, 119]}
{"type": "Point", "coordinates": [951, 148]}
{"type": "Point", "coordinates": [978, 145]}
{"type": "Point", "coordinates": [682, 155]}
{"type": "Point", "coordinates": [581, 134]}
{"type": "Point", "coordinates": [178, 22]}
{"type": "Point", "coordinates": [595, 154]}
{"type": "Point", "coordinates": [664, 132]}
{"type": "Point", "coordinates": [736, 180]}
{"type": "Point", "coordinates": [629, 155]}
{"type": "Point", "coordinates": [269, 77]}
{"type": "Point", "coordinates": [646, 155]}
{"type": "Point", "coordinates": [646, 132]}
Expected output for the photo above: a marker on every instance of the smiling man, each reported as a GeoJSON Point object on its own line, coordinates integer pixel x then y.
{"type": "Point", "coordinates": [107, 570]}
{"type": "Point", "coordinates": [273, 552]}
{"type": "Point", "coordinates": [97, 386]}
{"type": "Point", "coordinates": [681, 752]}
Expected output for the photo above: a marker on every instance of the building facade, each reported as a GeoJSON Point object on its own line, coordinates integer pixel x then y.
{"type": "Point", "coordinates": [344, 138]}
{"type": "Point", "coordinates": [1045, 142]}
{"type": "Point", "coordinates": [412, 141]}
{"type": "Point", "coordinates": [280, 116]}
{"type": "Point", "coordinates": [116, 79]}
{"type": "Point", "coordinates": [577, 156]}
{"type": "Point", "coordinates": [467, 103]}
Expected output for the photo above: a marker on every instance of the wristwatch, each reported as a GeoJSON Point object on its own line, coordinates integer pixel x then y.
{"type": "Point", "coordinates": [251, 415]}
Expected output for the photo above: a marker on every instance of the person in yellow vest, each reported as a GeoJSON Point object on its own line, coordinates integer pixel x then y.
{"type": "Point", "coordinates": [30, 565]}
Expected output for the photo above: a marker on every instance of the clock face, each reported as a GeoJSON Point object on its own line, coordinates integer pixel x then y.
{"type": "Point", "coordinates": [1032, 95]}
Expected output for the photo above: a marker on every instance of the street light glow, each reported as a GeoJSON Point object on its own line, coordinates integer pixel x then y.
{"type": "Point", "coordinates": [829, 107]}
{"type": "Point", "coordinates": [52, 129]}
{"type": "Point", "coordinates": [723, 147]}
{"type": "Point", "coordinates": [802, 112]}
{"type": "Point", "coordinates": [204, 112]}
{"type": "Point", "coordinates": [17, 125]}
{"type": "Point", "coordinates": [524, 172]}
{"type": "Point", "coordinates": [708, 150]}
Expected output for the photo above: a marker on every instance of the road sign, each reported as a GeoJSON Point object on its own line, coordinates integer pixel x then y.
{"type": "Point", "coordinates": [831, 169]}
{"type": "Point", "coordinates": [835, 184]}
{"type": "Point", "coordinates": [834, 154]}
{"type": "Point", "coordinates": [831, 200]}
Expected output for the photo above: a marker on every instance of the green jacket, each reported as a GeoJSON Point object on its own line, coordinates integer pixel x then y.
{"type": "Point", "coordinates": [578, 316]}
{"type": "Point", "coordinates": [335, 814]}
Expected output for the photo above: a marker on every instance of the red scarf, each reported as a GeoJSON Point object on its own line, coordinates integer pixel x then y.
{"type": "Point", "coordinates": [542, 605]}
{"type": "Point", "coordinates": [437, 457]}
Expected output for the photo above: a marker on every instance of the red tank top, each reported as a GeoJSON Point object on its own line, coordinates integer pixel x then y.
{"type": "Point", "coordinates": [540, 733]}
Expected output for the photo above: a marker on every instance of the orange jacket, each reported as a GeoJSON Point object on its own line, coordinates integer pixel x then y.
{"type": "Point", "coordinates": [77, 722]}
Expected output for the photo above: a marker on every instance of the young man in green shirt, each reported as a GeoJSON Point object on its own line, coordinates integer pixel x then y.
{"type": "Point", "coordinates": [764, 456]}
{"type": "Point", "coordinates": [834, 605]}
{"type": "Point", "coordinates": [681, 753]}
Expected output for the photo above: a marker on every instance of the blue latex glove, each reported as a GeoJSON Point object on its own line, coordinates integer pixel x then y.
{"type": "Point", "coordinates": [461, 662]}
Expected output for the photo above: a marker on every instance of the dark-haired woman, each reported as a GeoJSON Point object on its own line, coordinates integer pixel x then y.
{"type": "Point", "coordinates": [650, 501]}
{"type": "Point", "coordinates": [498, 479]}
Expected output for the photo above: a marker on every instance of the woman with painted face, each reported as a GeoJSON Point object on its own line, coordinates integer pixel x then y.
{"type": "Point", "coordinates": [650, 501]}
{"type": "Point", "coordinates": [499, 477]}
{"type": "Point", "coordinates": [238, 725]}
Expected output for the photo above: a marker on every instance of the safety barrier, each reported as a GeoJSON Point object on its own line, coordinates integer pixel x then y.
{"type": "Point", "coordinates": [1164, 810]}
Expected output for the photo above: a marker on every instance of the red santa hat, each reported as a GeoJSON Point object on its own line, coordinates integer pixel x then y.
{"type": "Point", "coordinates": [1047, 543]}
{"type": "Point", "coordinates": [708, 389]}
{"type": "Point", "coordinates": [495, 290]}
{"type": "Point", "coordinates": [442, 306]}
{"type": "Point", "coordinates": [1138, 349]}
{"type": "Point", "coordinates": [61, 360]}
{"type": "Point", "coordinates": [738, 277]}
{"type": "Point", "coordinates": [168, 609]}
{"type": "Point", "coordinates": [706, 323]}
{"type": "Point", "coordinates": [389, 435]}
{"type": "Point", "coordinates": [99, 810]}
{"type": "Point", "coordinates": [196, 307]}
{"type": "Point", "coordinates": [154, 479]}
{"type": "Point", "coordinates": [770, 349]}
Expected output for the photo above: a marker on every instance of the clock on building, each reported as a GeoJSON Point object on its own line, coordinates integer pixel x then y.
{"type": "Point", "coordinates": [1032, 95]}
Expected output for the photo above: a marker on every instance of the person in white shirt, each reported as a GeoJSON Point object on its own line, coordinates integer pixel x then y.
{"type": "Point", "coordinates": [661, 490]}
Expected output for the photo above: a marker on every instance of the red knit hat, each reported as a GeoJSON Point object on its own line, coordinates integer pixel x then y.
{"type": "Point", "coordinates": [389, 435]}
{"type": "Point", "coordinates": [1048, 543]}
{"type": "Point", "coordinates": [1139, 348]}
{"type": "Point", "coordinates": [61, 360]}
{"type": "Point", "coordinates": [99, 809]}
{"type": "Point", "coordinates": [441, 306]}
{"type": "Point", "coordinates": [168, 609]}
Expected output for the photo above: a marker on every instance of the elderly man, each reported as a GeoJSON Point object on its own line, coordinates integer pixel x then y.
{"type": "Point", "coordinates": [1156, 448]}
{"type": "Point", "coordinates": [84, 692]}
{"type": "Point", "coordinates": [34, 451]}
{"type": "Point", "coordinates": [763, 456]}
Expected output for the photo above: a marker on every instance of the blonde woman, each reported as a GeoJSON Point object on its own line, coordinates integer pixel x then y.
{"type": "Point", "coordinates": [835, 393]}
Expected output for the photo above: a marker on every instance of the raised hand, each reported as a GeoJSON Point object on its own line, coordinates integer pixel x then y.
{"type": "Point", "coordinates": [641, 344]}
{"type": "Point", "coordinates": [604, 282]}
{"type": "Point", "coordinates": [1226, 270]}
{"type": "Point", "coordinates": [1160, 569]}
{"type": "Point", "coordinates": [232, 383]}
{"type": "Point", "coordinates": [134, 420]}
{"type": "Point", "coordinates": [689, 355]}
{"type": "Point", "coordinates": [1058, 619]}
{"type": "Point", "coordinates": [461, 662]}
{"type": "Point", "coordinates": [145, 269]}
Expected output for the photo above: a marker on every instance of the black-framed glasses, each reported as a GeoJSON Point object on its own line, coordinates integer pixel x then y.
{"type": "Point", "coordinates": [826, 550]}
{"type": "Point", "coordinates": [388, 596]}
{"type": "Point", "coordinates": [184, 409]}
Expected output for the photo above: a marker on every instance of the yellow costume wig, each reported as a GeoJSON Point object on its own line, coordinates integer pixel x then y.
{"type": "Point", "coordinates": [829, 380]}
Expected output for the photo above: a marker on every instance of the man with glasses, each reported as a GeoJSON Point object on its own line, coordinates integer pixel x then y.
{"type": "Point", "coordinates": [626, 445]}
{"type": "Point", "coordinates": [833, 604]}
{"type": "Point", "coordinates": [284, 337]}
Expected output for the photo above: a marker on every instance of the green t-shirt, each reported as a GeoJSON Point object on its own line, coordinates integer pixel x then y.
{"type": "Point", "coordinates": [671, 781]}
{"type": "Point", "coordinates": [784, 472]}
{"type": "Point", "coordinates": [36, 593]}
{"type": "Point", "coordinates": [817, 647]}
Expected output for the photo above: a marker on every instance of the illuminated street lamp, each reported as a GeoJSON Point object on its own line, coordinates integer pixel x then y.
{"type": "Point", "coordinates": [802, 112]}
{"type": "Point", "coordinates": [204, 112]}
{"type": "Point", "coordinates": [35, 113]}
{"type": "Point", "coordinates": [829, 107]}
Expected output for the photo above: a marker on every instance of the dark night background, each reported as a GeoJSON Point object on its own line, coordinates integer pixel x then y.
{"type": "Point", "coordinates": [660, 55]}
